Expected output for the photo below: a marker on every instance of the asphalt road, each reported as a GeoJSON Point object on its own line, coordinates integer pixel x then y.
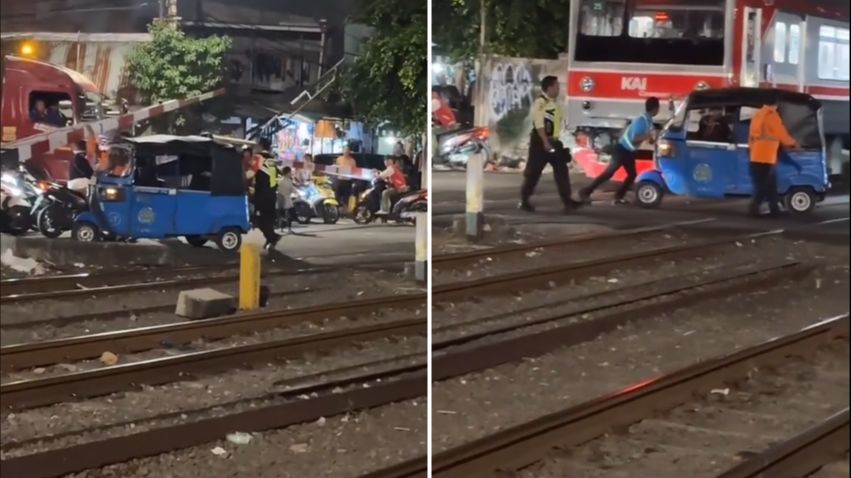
{"type": "Point", "coordinates": [829, 222]}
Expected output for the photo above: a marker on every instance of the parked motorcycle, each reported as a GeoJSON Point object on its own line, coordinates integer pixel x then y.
{"type": "Point", "coordinates": [455, 147]}
{"type": "Point", "coordinates": [402, 210]}
{"type": "Point", "coordinates": [20, 193]}
{"type": "Point", "coordinates": [316, 199]}
{"type": "Point", "coordinates": [61, 206]}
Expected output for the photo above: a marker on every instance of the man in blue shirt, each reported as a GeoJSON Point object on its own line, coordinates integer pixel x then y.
{"type": "Point", "coordinates": [639, 131]}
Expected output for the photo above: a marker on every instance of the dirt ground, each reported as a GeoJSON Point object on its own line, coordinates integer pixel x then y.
{"type": "Point", "coordinates": [473, 406]}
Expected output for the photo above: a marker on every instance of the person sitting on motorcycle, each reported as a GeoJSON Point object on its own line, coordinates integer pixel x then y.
{"type": "Point", "coordinates": [305, 175]}
{"type": "Point", "coordinates": [396, 182]}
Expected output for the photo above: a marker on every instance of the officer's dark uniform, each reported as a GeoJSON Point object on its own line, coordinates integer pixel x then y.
{"type": "Point", "coordinates": [265, 196]}
{"type": "Point", "coordinates": [546, 113]}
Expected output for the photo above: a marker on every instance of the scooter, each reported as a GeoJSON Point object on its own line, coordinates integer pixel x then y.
{"type": "Point", "coordinates": [316, 199]}
{"type": "Point", "coordinates": [19, 194]}
{"type": "Point", "coordinates": [403, 210]}
{"type": "Point", "coordinates": [455, 147]}
{"type": "Point", "coordinates": [61, 206]}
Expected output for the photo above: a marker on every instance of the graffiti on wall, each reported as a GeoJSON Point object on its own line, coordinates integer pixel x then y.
{"type": "Point", "coordinates": [504, 100]}
{"type": "Point", "coordinates": [511, 86]}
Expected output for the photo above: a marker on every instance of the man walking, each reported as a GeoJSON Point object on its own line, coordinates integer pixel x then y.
{"type": "Point", "coordinates": [766, 135]}
{"type": "Point", "coordinates": [545, 148]}
{"type": "Point", "coordinates": [266, 194]}
{"type": "Point", "coordinates": [639, 131]}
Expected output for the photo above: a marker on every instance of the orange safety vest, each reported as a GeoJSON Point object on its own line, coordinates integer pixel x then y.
{"type": "Point", "coordinates": [766, 135]}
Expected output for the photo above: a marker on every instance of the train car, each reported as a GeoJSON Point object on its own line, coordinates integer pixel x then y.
{"type": "Point", "coordinates": [623, 51]}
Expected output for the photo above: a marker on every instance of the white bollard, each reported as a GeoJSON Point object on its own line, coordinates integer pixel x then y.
{"type": "Point", "coordinates": [421, 247]}
{"type": "Point", "coordinates": [474, 218]}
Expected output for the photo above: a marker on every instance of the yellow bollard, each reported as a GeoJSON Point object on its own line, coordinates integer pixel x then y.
{"type": "Point", "coordinates": [249, 277]}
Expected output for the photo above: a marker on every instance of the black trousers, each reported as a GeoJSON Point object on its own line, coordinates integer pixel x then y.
{"type": "Point", "coordinates": [621, 158]}
{"type": "Point", "coordinates": [265, 221]}
{"type": "Point", "coordinates": [343, 192]}
{"type": "Point", "coordinates": [764, 177]}
{"type": "Point", "coordinates": [538, 159]}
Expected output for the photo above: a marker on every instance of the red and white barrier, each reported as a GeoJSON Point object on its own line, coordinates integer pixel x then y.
{"type": "Point", "coordinates": [52, 140]}
{"type": "Point", "coordinates": [364, 174]}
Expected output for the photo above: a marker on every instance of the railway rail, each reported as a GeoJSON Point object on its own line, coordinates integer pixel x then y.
{"type": "Point", "coordinates": [118, 281]}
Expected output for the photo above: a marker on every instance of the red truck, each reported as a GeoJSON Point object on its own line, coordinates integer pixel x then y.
{"type": "Point", "coordinates": [70, 97]}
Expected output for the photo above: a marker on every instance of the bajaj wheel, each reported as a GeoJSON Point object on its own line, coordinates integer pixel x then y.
{"type": "Point", "coordinates": [196, 241]}
{"type": "Point", "coordinates": [800, 200]}
{"type": "Point", "coordinates": [229, 239]}
{"type": "Point", "coordinates": [86, 232]}
{"type": "Point", "coordinates": [47, 224]}
{"type": "Point", "coordinates": [330, 214]}
{"type": "Point", "coordinates": [649, 194]}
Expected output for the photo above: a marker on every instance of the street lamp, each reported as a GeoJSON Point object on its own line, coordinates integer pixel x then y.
{"type": "Point", "coordinates": [27, 49]}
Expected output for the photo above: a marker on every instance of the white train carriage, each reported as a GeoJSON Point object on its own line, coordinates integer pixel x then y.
{"type": "Point", "coordinates": [623, 51]}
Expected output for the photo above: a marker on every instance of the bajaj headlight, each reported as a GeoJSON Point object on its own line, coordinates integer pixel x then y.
{"type": "Point", "coordinates": [664, 149]}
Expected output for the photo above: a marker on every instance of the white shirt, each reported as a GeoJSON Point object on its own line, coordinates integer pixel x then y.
{"type": "Point", "coordinates": [286, 189]}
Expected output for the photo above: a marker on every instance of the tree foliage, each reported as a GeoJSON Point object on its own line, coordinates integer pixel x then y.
{"type": "Point", "coordinates": [388, 81]}
{"type": "Point", "coordinates": [524, 28]}
{"type": "Point", "coordinates": [173, 65]}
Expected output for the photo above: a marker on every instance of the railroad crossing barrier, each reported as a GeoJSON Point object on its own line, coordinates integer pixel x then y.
{"type": "Point", "coordinates": [47, 142]}
{"type": "Point", "coordinates": [249, 277]}
{"type": "Point", "coordinates": [474, 217]}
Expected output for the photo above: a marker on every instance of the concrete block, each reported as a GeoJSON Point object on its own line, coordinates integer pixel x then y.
{"type": "Point", "coordinates": [204, 303]}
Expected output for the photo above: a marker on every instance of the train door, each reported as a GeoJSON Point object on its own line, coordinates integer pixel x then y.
{"type": "Point", "coordinates": [751, 47]}
{"type": "Point", "coordinates": [784, 51]}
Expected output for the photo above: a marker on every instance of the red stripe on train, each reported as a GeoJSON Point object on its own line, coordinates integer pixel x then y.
{"type": "Point", "coordinates": [639, 85]}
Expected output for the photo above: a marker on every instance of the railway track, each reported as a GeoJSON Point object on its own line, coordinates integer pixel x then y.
{"type": "Point", "coordinates": [364, 390]}
{"type": "Point", "coordinates": [46, 390]}
{"type": "Point", "coordinates": [508, 452]}
{"type": "Point", "coordinates": [543, 276]}
{"type": "Point", "coordinates": [120, 281]}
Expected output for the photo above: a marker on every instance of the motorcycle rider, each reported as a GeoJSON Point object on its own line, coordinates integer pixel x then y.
{"type": "Point", "coordinates": [344, 185]}
{"type": "Point", "coordinates": [265, 194]}
{"type": "Point", "coordinates": [396, 182]}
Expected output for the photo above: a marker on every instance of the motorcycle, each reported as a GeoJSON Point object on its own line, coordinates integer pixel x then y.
{"type": "Point", "coordinates": [61, 206]}
{"type": "Point", "coordinates": [455, 147]}
{"type": "Point", "coordinates": [403, 209]}
{"type": "Point", "coordinates": [19, 195]}
{"type": "Point", "coordinates": [316, 199]}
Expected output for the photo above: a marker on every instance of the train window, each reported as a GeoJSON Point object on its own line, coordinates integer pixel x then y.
{"type": "Point", "coordinates": [794, 43]}
{"type": "Point", "coordinates": [47, 107]}
{"type": "Point", "coordinates": [602, 18]}
{"type": "Point", "coordinates": [833, 53]}
{"type": "Point", "coordinates": [702, 19]}
{"type": "Point", "coordinates": [779, 42]}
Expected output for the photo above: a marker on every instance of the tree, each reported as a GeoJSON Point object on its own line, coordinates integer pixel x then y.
{"type": "Point", "coordinates": [173, 66]}
{"type": "Point", "coordinates": [524, 28]}
{"type": "Point", "coordinates": [388, 81]}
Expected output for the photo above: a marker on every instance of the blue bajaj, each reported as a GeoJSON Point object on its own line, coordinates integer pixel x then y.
{"type": "Point", "coordinates": [703, 151]}
{"type": "Point", "coordinates": [166, 186]}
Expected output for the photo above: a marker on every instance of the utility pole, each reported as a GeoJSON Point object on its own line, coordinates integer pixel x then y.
{"type": "Point", "coordinates": [474, 218]}
{"type": "Point", "coordinates": [171, 13]}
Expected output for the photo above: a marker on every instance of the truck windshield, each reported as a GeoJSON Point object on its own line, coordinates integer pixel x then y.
{"type": "Point", "coordinates": [651, 31]}
{"type": "Point", "coordinates": [90, 106]}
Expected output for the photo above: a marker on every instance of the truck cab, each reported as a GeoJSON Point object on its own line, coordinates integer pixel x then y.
{"type": "Point", "coordinates": [68, 97]}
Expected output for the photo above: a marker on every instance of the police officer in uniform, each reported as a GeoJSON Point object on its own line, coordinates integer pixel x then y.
{"type": "Point", "coordinates": [265, 194]}
{"type": "Point", "coordinates": [545, 148]}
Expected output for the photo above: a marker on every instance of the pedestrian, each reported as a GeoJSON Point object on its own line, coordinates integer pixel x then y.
{"type": "Point", "coordinates": [545, 148]}
{"type": "Point", "coordinates": [266, 195]}
{"type": "Point", "coordinates": [641, 129]}
{"type": "Point", "coordinates": [286, 189]}
{"type": "Point", "coordinates": [343, 189]}
{"type": "Point", "coordinates": [80, 167]}
{"type": "Point", "coordinates": [766, 135]}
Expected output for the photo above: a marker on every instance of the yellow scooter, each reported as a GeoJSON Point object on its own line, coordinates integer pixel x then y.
{"type": "Point", "coordinates": [316, 199]}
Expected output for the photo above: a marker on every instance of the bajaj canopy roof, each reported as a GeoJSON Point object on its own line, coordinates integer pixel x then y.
{"type": "Point", "coordinates": [799, 111]}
